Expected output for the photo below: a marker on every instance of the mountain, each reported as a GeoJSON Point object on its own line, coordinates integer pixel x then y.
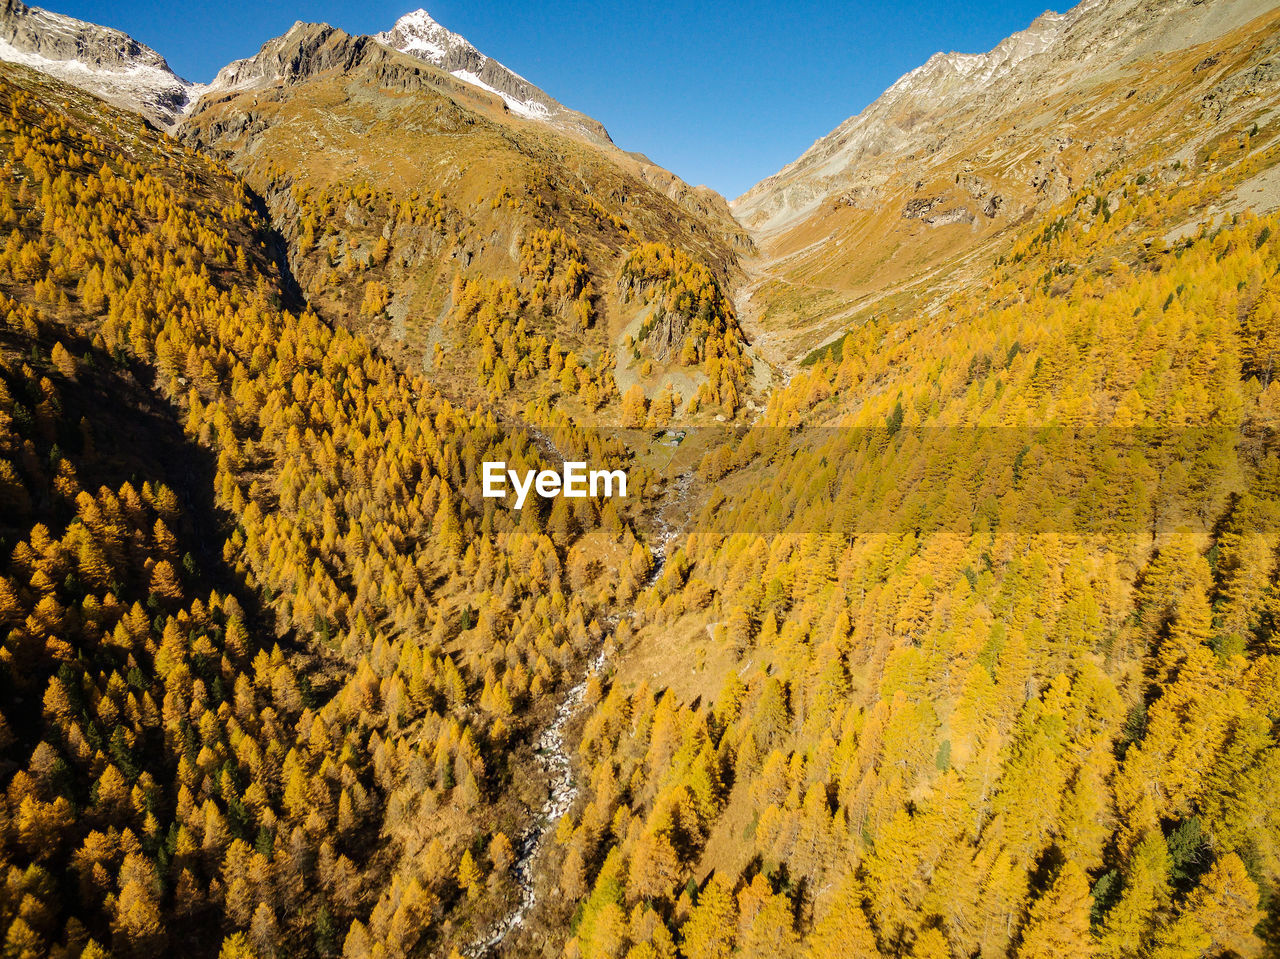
{"type": "Point", "coordinates": [955, 99]}
{"type": "Point", "coordinates": [318, 118]}
{"type": "Point", "coordinates": [130, 74]}
{"type": "Point", "coordinates": [420, 36]}
{"type": "Point", "coordinates": [320, 109]}
{"type": "Point", "coordinates": [85, 411]}
{"type": "Point", "coordinates": [953, 632]}
{"type": "Point", "coordinates": [99, 59]}
{"type": "Point", "coordinates": [967, 147]}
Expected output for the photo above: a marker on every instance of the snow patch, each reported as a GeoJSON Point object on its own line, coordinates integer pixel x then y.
{"type": "Point", "coordinates": [524, 108]}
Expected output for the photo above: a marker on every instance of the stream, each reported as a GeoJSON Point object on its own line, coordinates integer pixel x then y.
{"type": "Point", "coordinates": [550, 749]}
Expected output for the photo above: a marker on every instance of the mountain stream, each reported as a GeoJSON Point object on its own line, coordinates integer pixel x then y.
{"type": "Point", "coordinates": [552, 754]}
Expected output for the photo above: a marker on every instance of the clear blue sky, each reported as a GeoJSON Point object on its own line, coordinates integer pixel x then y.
{"type": "Point", "coordinates": [722, 94]}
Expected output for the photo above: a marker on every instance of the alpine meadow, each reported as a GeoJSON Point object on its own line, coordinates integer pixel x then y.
{"type": "Point", "coordinates": [428, 529]}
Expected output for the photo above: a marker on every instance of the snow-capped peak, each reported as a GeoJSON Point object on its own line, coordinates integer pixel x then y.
{"type": "Point", "coordinates": [421, 36]}
{"type": "Point", "coordinates": [99, 59]}
{"type": "Point", "coordinates": [418, 34]}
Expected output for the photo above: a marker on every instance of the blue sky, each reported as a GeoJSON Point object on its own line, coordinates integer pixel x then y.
{"type": "Point", "coordinates": [722, 94]}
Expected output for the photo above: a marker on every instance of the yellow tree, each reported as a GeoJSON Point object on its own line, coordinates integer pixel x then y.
{"type": "Point", "coordinates": [843, 930]}
{"type": "Point", "coordinates": [1059, 922]}
{"type": "Point", "coordinates": [469, 875]}
{"type": "Point", "coordinates": [634, 406]}
{"type": "Point", "coordinates": [709, 931]}
{"type": "Point", "coordinates": [1146, 891]}
{"type": "Point", "coordinates": [655, 868]}
{"type": "Point", "coordinates": [1218, 917]}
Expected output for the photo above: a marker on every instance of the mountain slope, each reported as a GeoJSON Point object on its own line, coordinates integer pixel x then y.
{"type": "Point", "coordinates": [965, 148]}
{"type": "Point", "coordinates": [265, 689]}
{"type": "Point", "coordinates": [393, 182]}
{"type": "Point", "coordinates": [313, 93]}
{"type": "Point", "coordinates": [131, 75]}
{"type": "Point", "coordinates": [101, 60]}
{"type": "Point", "coordinates": [968, 646]}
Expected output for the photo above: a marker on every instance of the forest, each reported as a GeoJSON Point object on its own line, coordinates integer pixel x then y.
{"type": "Point", "coordinates": [998, 598]}
{"type": "Point", "coordinates": [270, 668]}
{"type": "Point", "coordinates": [968, 642]}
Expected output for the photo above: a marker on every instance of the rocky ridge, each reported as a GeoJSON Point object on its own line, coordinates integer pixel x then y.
{"type": "Point", "coordinates": [418, 35]}
{"type": "Point", "coordinates": [129, 74]}
{"type": "Point", "coordinates": [954, 96]}
{"type": "Point", "coordinates": [104, 61]}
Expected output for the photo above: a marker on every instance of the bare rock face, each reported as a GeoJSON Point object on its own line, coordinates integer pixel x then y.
{"type": "Point", "coordinates": [308, 49]}
{"type": "Point", "coordinates": [957, 98]}
{"type": "Point", "coordinates": [106, 62]}
{"type": "Point", "coordinates": [418, 35]}
{"type": "Point", "coordinates": [304, 51]}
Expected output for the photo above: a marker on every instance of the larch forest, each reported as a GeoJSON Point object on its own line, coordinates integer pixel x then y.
{"type": "Point", "coordinates": [941, 618]}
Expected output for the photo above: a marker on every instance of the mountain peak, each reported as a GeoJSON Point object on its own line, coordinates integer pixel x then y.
{"type": "Point", "coordinates": [419, 35]}
{"type": "Point", "coordinates": [418, 20]}
{"type": "Point", "coordinates": [99, 59]}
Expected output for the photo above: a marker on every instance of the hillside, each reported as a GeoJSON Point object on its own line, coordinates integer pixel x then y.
{"type": "Point", "coordinates": [939, 619]}
{"type": "Point", "coordinates": [935, 179]}
{"type": "Point", "coordinates": [405, 194]}
{"type": "Point", "coordinates": [975, 631]}
{"type": "Point", "coordinates": [249, 577]}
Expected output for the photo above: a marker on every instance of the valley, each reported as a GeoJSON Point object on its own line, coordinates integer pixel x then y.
{"type": "Point", "coordinates": [938, 617]}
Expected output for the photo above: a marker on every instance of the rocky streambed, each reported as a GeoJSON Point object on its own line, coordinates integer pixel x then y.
{"type": "Point", "coordinates": [554, 759]}
{"type": "Point", "coordinates": [553, 756]}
